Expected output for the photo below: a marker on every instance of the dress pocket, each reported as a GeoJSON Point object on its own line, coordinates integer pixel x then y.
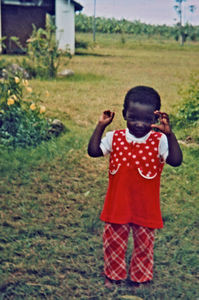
{"type": "Point", "coordinates": [147, 176]}
{"type": "Point", "coordinates": [113, 170]}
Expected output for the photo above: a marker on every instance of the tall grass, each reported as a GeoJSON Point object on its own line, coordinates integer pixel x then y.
{"type": "Point", "coordinates": [52, 195]}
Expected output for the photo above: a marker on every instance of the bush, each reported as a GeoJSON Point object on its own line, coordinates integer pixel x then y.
{"type": "Point", "coordinates": [188, 110]}
{"type": "Point", "coordinates": [22, 122]}
{"type": "Point", "coordinates": [44, 55]}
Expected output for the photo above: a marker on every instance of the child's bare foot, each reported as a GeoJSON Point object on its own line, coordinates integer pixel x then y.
{"type": "Point", "coordinates": [108, 283]}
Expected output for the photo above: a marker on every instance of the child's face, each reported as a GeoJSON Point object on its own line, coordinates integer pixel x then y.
{"type": "Point", "coordinates": [139, 118]}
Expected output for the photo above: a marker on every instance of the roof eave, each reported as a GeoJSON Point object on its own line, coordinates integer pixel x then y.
{"type": "Point", "coordinates": [78, 7]}
{"type": "Point", "coordinates": [19, 3]}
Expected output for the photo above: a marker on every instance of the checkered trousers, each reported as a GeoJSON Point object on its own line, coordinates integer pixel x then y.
{"type": "Point", "coordinates": [115, 239]}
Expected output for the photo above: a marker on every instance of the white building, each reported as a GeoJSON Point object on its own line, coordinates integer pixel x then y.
{"type": "Point", "coordinates": [65, 23]}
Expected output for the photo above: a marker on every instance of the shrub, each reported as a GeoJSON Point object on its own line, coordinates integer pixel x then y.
{"type": "Point", "coordinates": [188, 110]}
{"type": "Point", "coordinates": [22, 122]}
{"type": "Point", "coordinates": [44, 55]}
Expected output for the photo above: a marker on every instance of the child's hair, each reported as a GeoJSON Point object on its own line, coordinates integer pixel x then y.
{"type": "Point", "coordinates": [143, 95]}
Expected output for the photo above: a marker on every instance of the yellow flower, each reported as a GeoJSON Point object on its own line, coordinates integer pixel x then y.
{"type": "Point", "coordinates": [32, 106]}
{"type": "Point", "coordinates": [47, 93]}
{"type": "Point", "coordinates": [14, 97]}
{"type": "Point", "coordinates": [29, 89]}
{"type": "Point", "coordinates": [25, 82]}
{"type": "Point", "coordinates": [10, 101]}
{"type": "Point", "coordinates": [42, 109]}
{"type": "Point", "coordinates": [8, 92]}
{"type": "Point", "coordinates": [17, 80]}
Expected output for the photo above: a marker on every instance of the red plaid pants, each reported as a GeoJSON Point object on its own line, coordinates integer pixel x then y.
{"type": "Point", "coordinates": [115, 239]}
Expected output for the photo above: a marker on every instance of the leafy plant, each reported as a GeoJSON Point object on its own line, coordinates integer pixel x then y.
{"type": "Point", "coordinates": [43, 53]}
{"type": "Point", "coordinates": [22, 122]}
{"type": "Point", "coordinates": [188, 110]}
{"type": "Point", "coordinates": [2, 44]}
{"type": "Point", "coordinates": [16, 41]}
{"type": "Point", "coordinates": [3, 65]}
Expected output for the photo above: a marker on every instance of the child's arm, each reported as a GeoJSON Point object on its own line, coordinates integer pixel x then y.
{"type": "Point", "coordinates": [94, 149]}
{"type": "Point", "coordinates": [175, 154]}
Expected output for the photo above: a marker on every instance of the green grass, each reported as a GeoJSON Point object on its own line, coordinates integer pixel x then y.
{"type": "Point", "coordinates": [130, 41]}
{"type": "Point", "coordinates": [52, 195]}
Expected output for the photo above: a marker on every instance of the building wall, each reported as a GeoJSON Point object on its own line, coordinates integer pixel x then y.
{"type": "Point", "coordinates": [65, 23]}
{"type": "Point", "coordinates": [18, 20]}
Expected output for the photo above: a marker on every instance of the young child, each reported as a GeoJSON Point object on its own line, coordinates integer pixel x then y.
{"type": "Point", "coordinates": [137, 157]}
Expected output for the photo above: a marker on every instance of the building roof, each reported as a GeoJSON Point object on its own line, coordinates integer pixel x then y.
{"type": "Point", "coordinates": [78, 6]}
{"type": "Point", "coordinates": [40, 3]}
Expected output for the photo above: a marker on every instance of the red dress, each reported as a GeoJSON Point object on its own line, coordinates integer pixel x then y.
{"type": "Point", "coordinates": [134, 182]}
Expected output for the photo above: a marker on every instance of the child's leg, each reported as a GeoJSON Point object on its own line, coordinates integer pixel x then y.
{"type": "Point", "coordinates": [141, 268]}
{"type": "Point", "coordinates": [115, 239]}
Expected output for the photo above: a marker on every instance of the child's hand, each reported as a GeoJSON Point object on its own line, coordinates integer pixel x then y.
{"type": "Point", "coordinates": [106, 118]}
{"type": "Point", "coordinates": [164, 125]}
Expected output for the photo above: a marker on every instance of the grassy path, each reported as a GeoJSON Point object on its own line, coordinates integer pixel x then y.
{"type": "Point", "coordinates": [51, 196]}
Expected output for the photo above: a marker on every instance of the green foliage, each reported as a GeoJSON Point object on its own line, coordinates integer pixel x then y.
{"type": "Point", "coordinates": [84, 23]}
{"type": "Point", "coordinates": [21, 121]}
{"type": "Point", "coordinates": [44, 54]}
{"type": "Point", "coordinates": [3, 65]}
{"type": "Point", "coordinates": [16, 41]}
{"type": "Point", "coordinates": [2, 44]}
{"type": "Point", "coordinates": [188, 110]}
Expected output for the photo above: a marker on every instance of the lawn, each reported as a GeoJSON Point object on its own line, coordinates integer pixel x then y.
{"type": "Point", "coordinates": [52, 195]}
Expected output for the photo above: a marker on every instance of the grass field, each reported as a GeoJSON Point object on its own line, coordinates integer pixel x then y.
{"type": "Point", "coordinates": [52, 195]}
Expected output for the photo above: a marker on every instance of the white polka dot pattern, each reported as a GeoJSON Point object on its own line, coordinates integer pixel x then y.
{"type": "Point", "coordinates": [142, 156]}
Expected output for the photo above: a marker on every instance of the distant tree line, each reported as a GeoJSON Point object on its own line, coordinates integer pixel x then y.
{"type": "Point", "coordinates": [84, 23]}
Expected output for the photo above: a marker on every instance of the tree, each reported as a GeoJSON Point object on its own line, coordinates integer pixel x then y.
{"type": "Point", "coordinates": [179, 9]}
